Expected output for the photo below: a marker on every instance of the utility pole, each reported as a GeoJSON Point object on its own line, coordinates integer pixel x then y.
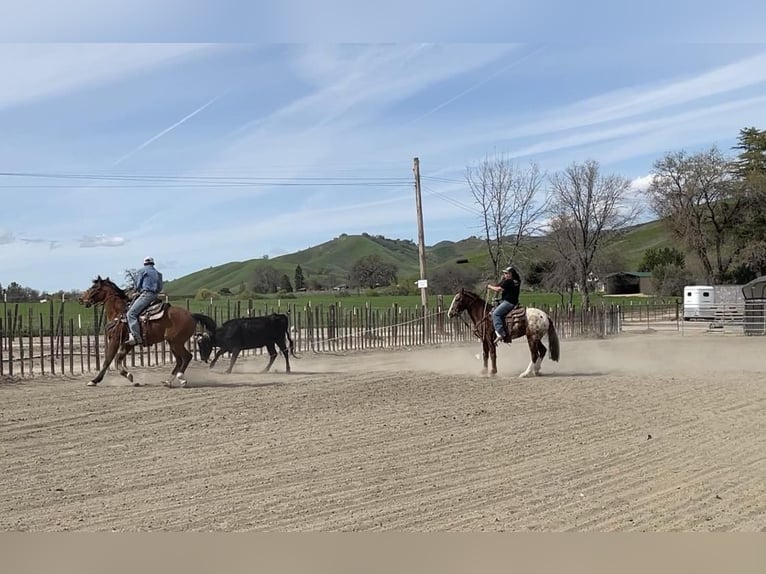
{"type": "Point", "coordinates": [423, 283]}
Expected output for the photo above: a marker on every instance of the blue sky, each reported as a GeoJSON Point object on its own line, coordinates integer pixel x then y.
{"type": "Point", "coordinates": [201, 154]}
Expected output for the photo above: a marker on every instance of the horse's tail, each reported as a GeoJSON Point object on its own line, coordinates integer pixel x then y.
{"type": "Point", "coordinates": [206, 322]}
{"type": "Point", "coordinates": [553, 339]}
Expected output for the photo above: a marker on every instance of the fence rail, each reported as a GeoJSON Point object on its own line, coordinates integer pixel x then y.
{"type": "Point", "coordinates": [37, 345]}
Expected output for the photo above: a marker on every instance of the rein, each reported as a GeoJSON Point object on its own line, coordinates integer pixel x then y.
{"type": "Point", "coordinates": [482, 321]}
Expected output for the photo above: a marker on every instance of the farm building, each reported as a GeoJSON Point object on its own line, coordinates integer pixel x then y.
{"type": "Point", "coordinates": [629, 282]}
{"type": "Point", "coordinates": [755, 306]}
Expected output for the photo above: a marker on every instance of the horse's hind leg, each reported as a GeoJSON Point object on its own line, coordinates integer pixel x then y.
{"type": "Point", "coordinates": [532, 341]}
{"type": "Point", "coordinates": [183, 358]}
{"type": "Point", "coordinates": [541, 355]}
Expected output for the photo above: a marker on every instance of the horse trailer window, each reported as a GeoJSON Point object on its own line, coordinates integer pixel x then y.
{"type": "Point", "coordinates": [688, 293]}
{"type": "Point", "coordinates": [705, 294]}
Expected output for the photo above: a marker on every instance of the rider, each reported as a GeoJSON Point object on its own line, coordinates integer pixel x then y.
{"type": "Point", "coordinates": [148, 286]}
{"type": "Point", "coordinates": [509, 287]}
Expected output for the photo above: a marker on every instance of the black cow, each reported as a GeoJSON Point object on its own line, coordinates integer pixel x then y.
{"type": "Point", "coordinates": [245, 333]}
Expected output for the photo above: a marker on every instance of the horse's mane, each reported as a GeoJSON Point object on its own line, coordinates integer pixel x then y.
{"type": "Point", "coordinates": [473, 295]}
{"type": "Point", "coordinates": [120, 293]}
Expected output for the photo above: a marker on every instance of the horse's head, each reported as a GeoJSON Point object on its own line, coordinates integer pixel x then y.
{"type": "Point", "coordinates": [205, 345]}
{"type": "Point", "coordinates": [100, 291]}
{"type": "Point", "coordinates": [459, 303]}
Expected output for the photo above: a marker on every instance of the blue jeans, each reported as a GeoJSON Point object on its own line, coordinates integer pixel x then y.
{"type": "Point", "coordinates": [498, 316]}
{"type": "Point", "coordinates": [141, 303]}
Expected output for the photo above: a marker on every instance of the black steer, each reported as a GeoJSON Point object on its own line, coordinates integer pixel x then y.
{"type": "Point", "coordinates": [233, 336]}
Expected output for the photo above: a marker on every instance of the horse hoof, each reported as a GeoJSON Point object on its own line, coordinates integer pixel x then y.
{"type": "Point", "coordinates": [92, 383]}
{"type": "Point", "coordinates": [136, 384]}
{"type": "Point", "coordinates": [168, 384]}
{"type": "Point", "coordinates": [184, 382]}
{"type": "Point", "coordinates": [130, 377]}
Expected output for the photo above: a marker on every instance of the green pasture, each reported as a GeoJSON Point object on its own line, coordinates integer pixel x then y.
{"type": "Point", "coordinates": [50, 314]}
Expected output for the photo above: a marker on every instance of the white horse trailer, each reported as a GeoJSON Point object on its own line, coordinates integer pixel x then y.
{"type": "Point", "coordinates": [711, 302]}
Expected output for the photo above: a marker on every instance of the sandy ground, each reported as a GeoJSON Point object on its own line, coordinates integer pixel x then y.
{"type": "Point", "coordinates": [654, 432]}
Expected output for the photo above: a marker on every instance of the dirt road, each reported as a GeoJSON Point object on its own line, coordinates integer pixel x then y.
{"type": "Point", "coordinates": [642, 432]}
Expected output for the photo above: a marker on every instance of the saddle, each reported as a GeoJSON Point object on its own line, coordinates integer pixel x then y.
{"type": "Point", "coordinates": [515, 322]}
{"type": "Point", "coordinates": [154, 312]}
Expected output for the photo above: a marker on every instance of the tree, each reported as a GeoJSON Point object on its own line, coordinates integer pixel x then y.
{"type": "Point", "coordinates": [750, 170]}
{"type": "Point", "coordinates": [130, 276]}
{"type": "Point", "coordinates": [752, 159]}
{"type": "Point", "coordinates": [300, 281]}
{"type": "Point", "coordinates": [372, 271]}
{"type": "Point", "coordinates": [448, 279]}
{"type": "Point", "coordinates": [509, 204]}
{"type": "Point", "coordinates": [696, 197]}
{"type": "Point", "coordinates": [265, 279]}
{"type": "Point", "coordinates": [16, 292]}
{"type": "Point", "coordinates": [562, 277]}
{"type": "Point", "coordinates": [284, 284]}
{"type": "Point", "coordinates": [654, 257]}
{"type": "Point", "coordinates": [670, 279]}
{"type": "Point", "coordinates": [589, 210]}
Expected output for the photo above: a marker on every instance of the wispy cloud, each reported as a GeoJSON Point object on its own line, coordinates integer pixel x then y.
{"type": "Point", "coordinates": [167, 130]}
{"type": "Point", "coordinates": [52, 243]}
{"type": "Point", "coordinates": [35, 71]}
{"type": "Point", "coordinates": [7, 237]}
{"type": "Point", "coordinates": [102, 241]}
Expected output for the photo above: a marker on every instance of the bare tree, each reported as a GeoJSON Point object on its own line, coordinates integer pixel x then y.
{"type": "Point", "coordinates": [131, 277]}
{"type": "Point", "coordinates": [589, 210]}
{"type": "Point", "coordinates": [563, 275]}
{"type": "Point", "coordinates": [509, 201]}
{"type": "Point", "coordinates": [696, 197]}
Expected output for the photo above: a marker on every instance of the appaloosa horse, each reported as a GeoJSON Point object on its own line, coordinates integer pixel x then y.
{"type": "Point", "coordinates": [522, 321]}
{"type": "Point", "coordinates": [160, 321]}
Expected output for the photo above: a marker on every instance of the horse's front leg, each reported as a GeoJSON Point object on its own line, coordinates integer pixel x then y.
{"type": "Point", "coordinates": [111, 351]}
{"type": "Point", "coordinates": [120, 361]}
{"type": "Point", "coordinates": [493, 356]}
{"type": "Point", "coordinates": [484, 356]}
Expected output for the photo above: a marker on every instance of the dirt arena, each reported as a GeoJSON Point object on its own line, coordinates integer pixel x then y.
{"type": "Point", "coordinates": [653, 432]}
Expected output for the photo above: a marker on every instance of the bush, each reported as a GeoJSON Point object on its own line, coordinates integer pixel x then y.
{"type": "Point", "coordinates": [207, 294]}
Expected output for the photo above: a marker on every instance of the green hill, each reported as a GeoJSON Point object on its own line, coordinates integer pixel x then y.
{"type": "Point", "coordinates": [331, 261]}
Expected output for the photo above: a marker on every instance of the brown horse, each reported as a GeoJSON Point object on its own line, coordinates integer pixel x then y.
{"type": "Point", "coordinates": [158, 322]}
{"type": "Point", "coordinates": [522, 321]}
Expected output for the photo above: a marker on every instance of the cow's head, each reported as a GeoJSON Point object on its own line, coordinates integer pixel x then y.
{"type": "Point", "coordinates": [204, 344]}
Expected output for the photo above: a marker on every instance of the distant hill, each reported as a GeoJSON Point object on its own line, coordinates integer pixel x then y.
{"type": "Point", "coordinates": [331, 261]}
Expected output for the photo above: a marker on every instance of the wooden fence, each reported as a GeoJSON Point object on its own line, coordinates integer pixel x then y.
{"type": "Point", "coordinates": [34, 345]}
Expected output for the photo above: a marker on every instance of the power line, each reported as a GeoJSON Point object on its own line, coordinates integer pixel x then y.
{"type": "Point", "coordinates": [209, 179]}
{"type": "Point", "coordinates": [453, 201]}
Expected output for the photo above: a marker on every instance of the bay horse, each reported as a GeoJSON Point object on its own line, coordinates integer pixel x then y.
{"type": "Point", "coordinates": [160, 321]}
{"type": "Point", "coordinates": [527, 322]}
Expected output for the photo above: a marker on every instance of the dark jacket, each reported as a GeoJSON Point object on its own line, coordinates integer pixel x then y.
{"type": "Point", "coordinates": [511, 289]}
